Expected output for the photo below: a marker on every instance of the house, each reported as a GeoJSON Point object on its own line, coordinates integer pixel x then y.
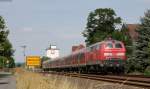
{"type": "Point", "coordinates": [130, 29]}
{"type": "Point", "coordinates": [77, 47]}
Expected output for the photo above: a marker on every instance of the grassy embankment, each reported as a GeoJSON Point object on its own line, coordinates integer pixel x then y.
{"type": "Point", "coordinates": [29, 80]}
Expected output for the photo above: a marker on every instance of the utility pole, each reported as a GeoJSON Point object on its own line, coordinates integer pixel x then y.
{"type": "Point", "coordinates": [24, 49]}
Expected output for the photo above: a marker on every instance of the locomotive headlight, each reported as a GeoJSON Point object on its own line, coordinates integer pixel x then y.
{"type": "Point", "coordinates": [107, 54]}
{"type": "Point", "coordinates": [120, 54]}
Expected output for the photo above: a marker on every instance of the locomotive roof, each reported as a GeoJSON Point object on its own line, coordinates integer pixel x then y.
{"type": "Point", "coordinates": [83, 49]}
{"type": "Point", "coordinates": [79, 51]}
{"type": "Point", "coordinates": [103, 42]}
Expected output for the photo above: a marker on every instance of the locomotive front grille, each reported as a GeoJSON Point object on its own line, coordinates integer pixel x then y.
{"type": "Point", "coordinates": [114, 62]}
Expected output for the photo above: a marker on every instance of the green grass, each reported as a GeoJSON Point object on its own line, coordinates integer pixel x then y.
{"type": "Point", "coordinates": [4, 75]}
{"type": "Point", "coordinates": [147, 73]}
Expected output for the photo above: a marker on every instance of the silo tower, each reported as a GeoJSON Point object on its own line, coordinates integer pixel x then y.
{"type": "Point", "coordinates": [52, 52]}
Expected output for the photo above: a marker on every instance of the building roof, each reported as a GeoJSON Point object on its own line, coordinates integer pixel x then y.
{"type": "Point", "coordinates": [77, 47]}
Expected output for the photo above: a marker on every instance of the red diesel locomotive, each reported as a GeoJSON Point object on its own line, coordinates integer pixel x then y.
{"type": "Point", "coordinates": [102, 57]}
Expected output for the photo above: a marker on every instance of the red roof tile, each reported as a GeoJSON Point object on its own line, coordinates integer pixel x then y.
{"type": "Point", "coordinates": [132, 30]}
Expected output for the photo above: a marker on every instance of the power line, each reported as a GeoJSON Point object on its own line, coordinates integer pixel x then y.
{"type": "Point", "coordinates": [24, 49]}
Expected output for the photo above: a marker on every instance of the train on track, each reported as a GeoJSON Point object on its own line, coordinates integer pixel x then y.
{"type": "Point", "coordinates": [102, 57]}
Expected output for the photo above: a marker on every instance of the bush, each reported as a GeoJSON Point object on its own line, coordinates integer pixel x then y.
{"type": "Point", "coordinates": [2, 61]}
{"type": "Point", "coordinates": [147, 71]}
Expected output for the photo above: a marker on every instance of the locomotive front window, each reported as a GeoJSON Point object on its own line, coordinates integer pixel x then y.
{"type": "Point", "coordinates": [118, 45]}
{"type": "Point", "coordinates": [109, 45]}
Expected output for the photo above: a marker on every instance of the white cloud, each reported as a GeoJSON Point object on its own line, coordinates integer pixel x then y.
{"type": "Point", "coordinates": [27, 29]}
{"type": "Point", "coordinates": [144, 1]}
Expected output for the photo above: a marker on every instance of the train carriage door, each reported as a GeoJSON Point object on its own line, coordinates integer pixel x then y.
{"type": "Point", "coordinates": [88, 55]}
{"type": "Point", "coordinates": [79, 58]}
{"type": "Point", "coordinates": [82, 57]}
{"type": "Point", "coordinates": [97, 53]}
{"type": "Point", "coordinates": [70, 60]}
{"type": "Point", "coordinates": [94, 53]}
{"type": "Point", "coordinates": [76, 59]}
{"type": "Point", "coordinates": [95, 49]}
{"type": "Point", "coordinates": [91, 54]}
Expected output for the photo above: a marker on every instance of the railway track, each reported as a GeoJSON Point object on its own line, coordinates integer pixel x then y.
{"type": "Point", "coordinates": [134, 80]}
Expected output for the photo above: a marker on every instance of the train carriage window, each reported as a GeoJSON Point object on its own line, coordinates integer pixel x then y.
{"type": "Point", "coordinates": [76, 57]}
{"type": "Point", "coordinates": [80, 56]}
{"type": "Point", "coordinates": [118, 45]}
{"type": "Point", "coordinates": [97, 47]}
{"type": "Point", "coordinates": [93, 48]}
{"type": "Point", "coordinates": [100, 46]}
{"type": "Point", "coordinates": [109, 45]}
{"type": "Point", "coordinates": [88, 49]}
{"type": "Point", "coordinates": [69, 59]}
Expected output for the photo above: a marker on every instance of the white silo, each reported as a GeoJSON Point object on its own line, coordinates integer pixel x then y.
{"type": "Point", "coordinates": [52, 52]}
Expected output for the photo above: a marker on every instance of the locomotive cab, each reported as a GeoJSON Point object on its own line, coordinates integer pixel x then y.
{"type": "Point", "coordinates": [114, 50]}
{"type": "Point", "coordinates": [114, 54]}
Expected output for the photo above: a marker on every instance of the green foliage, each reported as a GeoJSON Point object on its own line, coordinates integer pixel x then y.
{"type": "Point", "coordinates": [121, 36]}
{"type": "Point", "coordinates": [19, 64]}
{"type": "Point", "coordinates": [11, 63]}
{"type": "Point", "coordinates": [2, 61]}
{"type": "Point", "coordinates": [2, 23]}
{"type": "Point", "coordinates": [147, 71]}
{"type": "Point", "coordinates": [101, 24]}
{"type": "Point", "coordinates": [44, 58]}
{"type": "Point", "coordinates": [141, 55]}
{"type": "Point", "coordinates": [6, 51]}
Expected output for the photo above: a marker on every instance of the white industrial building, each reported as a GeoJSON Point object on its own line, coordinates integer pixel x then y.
{"type": "Point", "coordinates": [52, 52]}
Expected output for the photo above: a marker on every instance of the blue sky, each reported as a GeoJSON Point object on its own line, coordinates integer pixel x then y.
{"type": "Point", "coordinates": [39, 23]}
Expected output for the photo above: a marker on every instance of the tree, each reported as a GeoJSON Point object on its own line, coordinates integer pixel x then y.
{"type": "Point", "coordinates": [6, 51]}
{"type": "Point", "coordinates": [123, 35]}
{"type": "Point", "coordinates": [141, 56]}
{"type": "Point", "coordinates": [44, 58]}
{"type": "Point", "coordinates": [2, 61]}
{"type": "Point", "coordinates": [101, 24]}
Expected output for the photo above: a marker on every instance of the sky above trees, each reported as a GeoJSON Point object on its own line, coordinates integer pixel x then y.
{"type": "Point", "coordinates": [39, 23]}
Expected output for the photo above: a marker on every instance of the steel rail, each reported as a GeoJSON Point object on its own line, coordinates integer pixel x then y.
{"type": "Point", "coordinates": [134, 80]}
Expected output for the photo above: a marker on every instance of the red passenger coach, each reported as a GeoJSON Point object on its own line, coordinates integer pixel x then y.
{"type": "Point", "coordinates": [105, 56]}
